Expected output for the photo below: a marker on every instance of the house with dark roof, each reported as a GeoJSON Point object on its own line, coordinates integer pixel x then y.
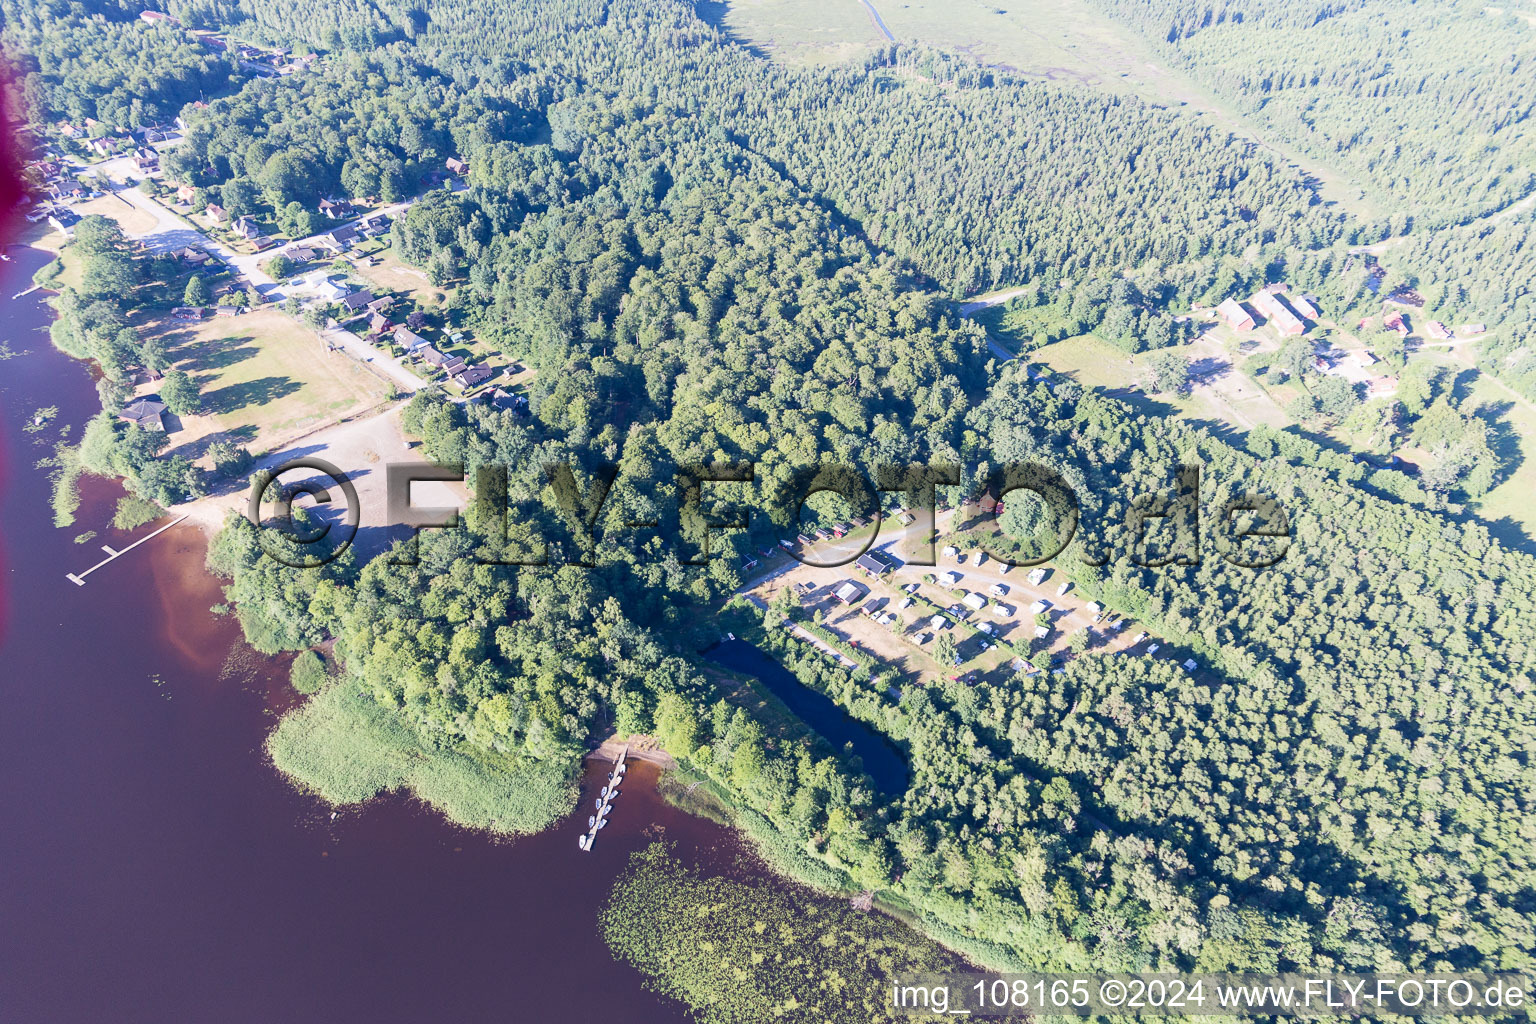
{"type": "Point", "coordinates": [357, 301]}
{"type": "Point", "coordinates": [471, 376]}
{"type": "Point", "coordinates": [432, 355]}
{"type": "Point", "coordinates": [342, 237]}
{"type": "Point", "coordinates": [381, 304]}
{"type": "Point", "coordinates": [873, 563]}
{"type": "Point", "coordinates": [147, 412]}
{"type": "Point", "coordinates": [64, 221]}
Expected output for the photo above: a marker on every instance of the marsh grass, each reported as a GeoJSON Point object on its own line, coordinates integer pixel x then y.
{"type": "Point", "coordinates": [345, 748]}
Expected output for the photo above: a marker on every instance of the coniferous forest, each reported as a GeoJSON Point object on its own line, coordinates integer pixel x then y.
{"type": "Point", "coordinates": [707, 257]}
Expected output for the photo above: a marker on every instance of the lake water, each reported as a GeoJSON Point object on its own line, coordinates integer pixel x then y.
{"type": "Point", "coordinates": [158, 869]}
{"type": "Point", "coordinates": [882, 761]}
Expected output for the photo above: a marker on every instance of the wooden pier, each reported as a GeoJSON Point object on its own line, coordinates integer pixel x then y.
{"type": "Point", "coordinates": [604, 804]}
{"type": "Point", "coordinates": [78, 579]}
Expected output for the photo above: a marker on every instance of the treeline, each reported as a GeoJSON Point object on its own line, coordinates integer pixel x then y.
{"type": "Point", "coordinates": [92, 323]}
{"type": "Point", "coordinates": [1429, 103]}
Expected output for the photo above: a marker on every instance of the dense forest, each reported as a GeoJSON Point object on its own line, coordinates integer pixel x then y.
{"type": "Point", "coordinates": [107, 66]}
{"type": "Point", "coordinates": [1428, 103]}
{"type": "Point", "coordinates": [709, 259]}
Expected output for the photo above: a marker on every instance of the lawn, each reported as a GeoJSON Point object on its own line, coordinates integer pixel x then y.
{"type": "Point", "coordinates": [390, 275]}
{"type": "Point", "coordinates": [133, 220]}
{"type": "Point", "coordinates": [1089, 361]}
{"type": "Point", "coordinates": [265, 379]}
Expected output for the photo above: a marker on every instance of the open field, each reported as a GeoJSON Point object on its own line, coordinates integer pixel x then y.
{"type": "Point", "coordinates": [264, 379]}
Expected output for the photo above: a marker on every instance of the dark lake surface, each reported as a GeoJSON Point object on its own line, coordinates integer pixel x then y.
{"type": "Point", "coordinates": [882, 761]}
{"type": "Point", "coordinates": [158, 869]}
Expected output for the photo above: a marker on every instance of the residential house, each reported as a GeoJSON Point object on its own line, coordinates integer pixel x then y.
{"type": "Point", "coordinates": [196, 257]}
{"type": "Point", "coordinates": [1395, 321]}
{"type": "Point", "coordinates": [1237, 318]}
{"type": "Point", "coordinates": [380, 324]}
{"type": "Point", "coordinates": [375, 225]}
{"type": "Point", "coordinates": [454, 365]}
{"type": "Point", "coordinates": [1472, 330]}
{"type": "Point", "coordinates": [326, 289]}
{"type": "Point", "coordinates": [1278, 313]}
{"type": "Point", "coordinates": [247, 228]}
{"type": "Point", "coordinates": [471, 376]}
{"type": "Point", "coordinates": [146, 159]}
{"type": "Point", "coordinates": [185, 193]}
{"type": "Point", "coordinates": [157, 18]}
{"type": "Point", "coordinates": [1365, 357]}
{"type": "Point", "coordinates": [147, 412]}
{"type": "Point", "coordinates": [102, 146]}
{"type": "Point", "coordinates": [342, 237]}
{"type": "Point", "coordinates": [432, 356]}
{"type": "Point", "coordinates": [457, 166]}
{"type": "Point", "coordinates": [216, 213]}
{"type": "Point", "coordinates": [300, 253]}
{"type": "Point", "coordinates": [64, 222]}
{"type": "Point", "coordinates": [1437, 330]}
{"type": "Point", "coordinates": [187, 312]}
{"type": "Point", "coordinates": [410, 340]}
{"type": "Point", "coordinates": [357, 301]}
{"type": "Point", "coordinates": [382, 304]}
{"type": "Point", "coordinates": [873, 564]}
{"type": "Point", "coordinates": [227, 310]}
{"type": "Point", "coordinates": [506, 401]}
{"type": "Point", "coordinates": [337, 210]}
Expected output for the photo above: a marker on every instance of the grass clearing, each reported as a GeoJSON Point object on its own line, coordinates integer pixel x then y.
{"type": "Point", "coordinates": [404, 282]}
{"type": "Point", "coordinates": [265, 379]}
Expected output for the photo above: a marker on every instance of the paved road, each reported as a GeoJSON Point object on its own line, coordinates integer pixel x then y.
{"type": "Point", "coordinates": [404, 380]}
